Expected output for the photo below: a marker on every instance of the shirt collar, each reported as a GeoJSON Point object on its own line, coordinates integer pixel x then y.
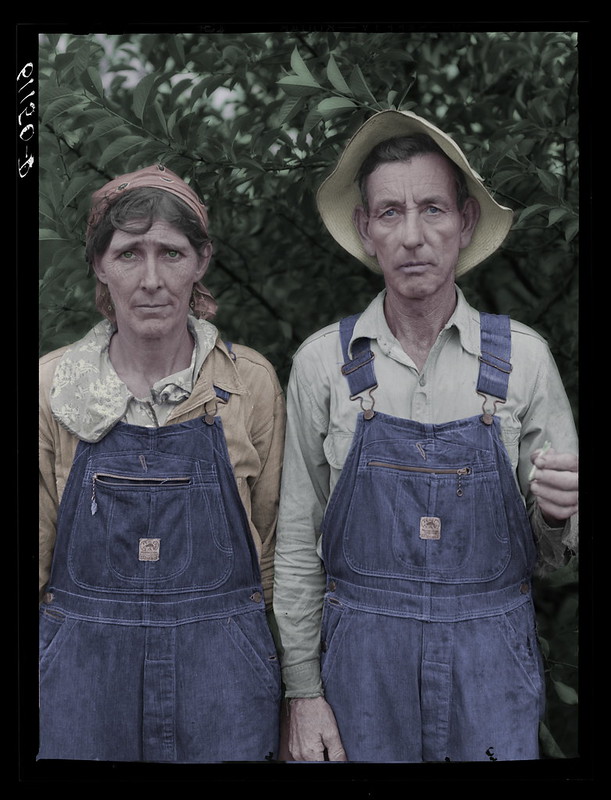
{"type": "Point", "coordinates": [372, 324]}
{"type": "Point", "coordinates": [88, 397]}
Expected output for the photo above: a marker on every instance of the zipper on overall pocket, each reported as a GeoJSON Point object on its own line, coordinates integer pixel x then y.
{"type": "Point", "coordinates": [458, 471]}
{"type": "Point", "coordinates": [108, 479]}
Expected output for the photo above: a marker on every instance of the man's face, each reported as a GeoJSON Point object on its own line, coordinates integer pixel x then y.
{"type": "Point", "coordinates": [414, 227]}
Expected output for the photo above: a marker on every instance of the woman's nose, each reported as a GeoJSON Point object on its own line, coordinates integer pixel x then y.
{"type": "Point", "coordinates": [151, 274]}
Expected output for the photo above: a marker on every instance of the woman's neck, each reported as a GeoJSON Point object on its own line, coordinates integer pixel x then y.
{"type": "Point", "coordinates": [141, 363]}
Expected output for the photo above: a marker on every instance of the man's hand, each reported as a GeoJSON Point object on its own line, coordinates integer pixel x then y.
{"type": "Point", "coordinates": [313, 733]}
{"type": "Point", "coordinates": [555, 484]}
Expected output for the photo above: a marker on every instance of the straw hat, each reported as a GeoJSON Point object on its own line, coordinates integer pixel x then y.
{"type": "Point", "coordinates": [339, 194]}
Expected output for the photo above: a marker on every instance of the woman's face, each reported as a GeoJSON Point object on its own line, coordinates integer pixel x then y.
{"type": "Point", "coordinates": [150, 277]}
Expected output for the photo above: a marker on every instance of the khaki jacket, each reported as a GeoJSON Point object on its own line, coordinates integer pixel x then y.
{"type": "Point", "coordinates": [253, 422]}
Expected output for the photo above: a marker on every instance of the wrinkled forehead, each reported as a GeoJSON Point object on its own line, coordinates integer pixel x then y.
{"type": "Point", "coordinates": [144, 232]}
{"type": "Point", "coordinates": [422, 178]}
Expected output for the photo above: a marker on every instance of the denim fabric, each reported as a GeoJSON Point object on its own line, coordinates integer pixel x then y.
{"type": "Point", "coordinates": [429, 649]}
{"type": "Point", "coordinates": [154, 644]}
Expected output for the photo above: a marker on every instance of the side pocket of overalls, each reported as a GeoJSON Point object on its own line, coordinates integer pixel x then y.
{"type": "Point", "coordinates": [519, 631]}
{"type": "Point", "coordinates": [253, 638]}
{"type": "Point", "coordinates": [53, 631]}
{"type": "Point", "coordinates": [335, 622]}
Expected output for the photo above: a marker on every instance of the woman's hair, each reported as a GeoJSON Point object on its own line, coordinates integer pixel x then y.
{"type": "Point", "coordinates": [135, 212]}
{"type": "Point", "coordinates": [404, 148]}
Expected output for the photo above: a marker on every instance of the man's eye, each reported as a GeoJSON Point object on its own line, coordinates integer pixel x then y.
{"type": "Point", "coordinates": [127, 255]}
{"type": "Point", "coordinates": [173, 253]}
{"type": "Point", "coordinates": [389, 212]}
{"type": "Point", "coordinates": [433, 210]}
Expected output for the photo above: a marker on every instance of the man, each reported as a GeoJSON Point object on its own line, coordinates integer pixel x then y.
{"type": "Point", "coordinates": [419, 490]}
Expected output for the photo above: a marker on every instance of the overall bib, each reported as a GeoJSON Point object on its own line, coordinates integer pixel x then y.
{"type": "Point", "coordinates": [429, 649]}
{"type": "Point", "coordinates": [154, 644]}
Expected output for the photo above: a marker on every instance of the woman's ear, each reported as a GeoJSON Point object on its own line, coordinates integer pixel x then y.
{"type": "Point", "coordinates": [204, 260]}
{"type": "Point", "coordinates": [98, 270]}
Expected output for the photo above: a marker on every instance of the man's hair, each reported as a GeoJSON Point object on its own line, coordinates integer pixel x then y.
{"type": "Point", "coordinates": [136, 211]}
{"type": "Point", "coordinates": [404, 148]}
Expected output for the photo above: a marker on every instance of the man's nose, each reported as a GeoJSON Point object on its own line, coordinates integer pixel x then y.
{"type": "Point", "coordinates": [412, 231]}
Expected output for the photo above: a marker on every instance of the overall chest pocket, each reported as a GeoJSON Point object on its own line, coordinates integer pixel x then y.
{"type": "Point", "coordinates": [160, 528]}
{"type": "Point", "coordinates": [439, 517]}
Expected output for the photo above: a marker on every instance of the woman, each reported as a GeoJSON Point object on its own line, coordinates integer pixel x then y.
{"type": "Point", "coordinates": [160, 463]}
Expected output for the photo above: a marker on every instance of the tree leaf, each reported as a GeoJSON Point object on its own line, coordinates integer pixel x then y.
{"type": "Point", "coordinates": [289, 109]}
{"type": "Point", "coordinates": [297, 86]}
{"type": "Point", "coordinates": [336, 78]}
{"type": "Point", "coordinates": [566, 693]}
{"type": "Point", "coordinates": [104, 126]}
{"type": "Point", "coordinates": [90, 79]}
{"type": "Point", "coordinates": [300, 68]}
{"type": "Point", "coordinates": [359, 86]}
{"type": "Point", "coordinates": [75, 187]}
{"type": "Point", "coordinates": [530, 211]}
{"type": "Point", "coordinates": [556, 214]}
{"type": "Point", "coordinates": [142, 94]}
{"type": "Point", "coordinates": [119, 147]}
{"type": "Point", "coordinates": [332, 106]}
{"type": "Point", "coordinates": [46, 234]}
{"type": "Point", "coordinates": [70, 102]}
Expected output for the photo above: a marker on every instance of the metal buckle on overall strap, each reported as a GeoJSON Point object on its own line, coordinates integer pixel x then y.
{"type": "Point", "coordinates": [487, 416]}
{"type": "Point", "coordinates": [368, 412]}
{"type": "Point", "coordinates": [210, 409]}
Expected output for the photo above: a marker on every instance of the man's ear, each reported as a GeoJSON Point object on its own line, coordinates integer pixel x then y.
{"type": "Point", "coordinates": [470, 217]}
{"type": "Point", "coordinates": [361, 222]}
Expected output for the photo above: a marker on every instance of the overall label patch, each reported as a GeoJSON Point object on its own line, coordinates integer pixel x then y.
{"type": "Point", "coordinates": [430, 528]}
{"type": "Point", "coordinates": [148, 549]}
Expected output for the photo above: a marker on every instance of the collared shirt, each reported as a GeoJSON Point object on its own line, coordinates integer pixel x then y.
{"type": "Point", "coordinates": [321, 420]}
{"type": "Point", "coordinates": [88, 397]}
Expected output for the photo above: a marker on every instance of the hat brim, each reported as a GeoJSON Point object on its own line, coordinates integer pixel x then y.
{"type": "Point", "coordinates": [339, 194]}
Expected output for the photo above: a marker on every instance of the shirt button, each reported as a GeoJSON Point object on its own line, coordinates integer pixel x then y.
{"type": "Point", "coordinates": [256, 597]}
{"type": "Point", "coordinates": [524, 588]}
{"type": "Point", "coordinates": [422, 380]}
{"type": "Point", "coordinates": [332, 586]}
{"type": "Point", "coordinates": [47, 597]}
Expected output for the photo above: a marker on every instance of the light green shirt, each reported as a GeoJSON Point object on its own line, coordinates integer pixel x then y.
{"type": "Point", "coordinates": [321, 421]}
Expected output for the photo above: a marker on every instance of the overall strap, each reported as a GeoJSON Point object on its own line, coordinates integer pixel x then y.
{"type": "Point", "coordinates": [495, 357]}
{"type": "Point", "coordinates": [358, 370]}
{"type": "Point", "coordinates": [222, 394]}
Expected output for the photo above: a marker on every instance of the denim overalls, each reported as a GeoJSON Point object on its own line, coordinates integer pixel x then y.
{"type": "Point", "coordinates": [153, 636]}
{"type": "Point", "coordinates": [429, 649]}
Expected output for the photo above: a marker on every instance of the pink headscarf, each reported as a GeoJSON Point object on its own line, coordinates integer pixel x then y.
{"type": "Point", "coordinates": [159, 177]}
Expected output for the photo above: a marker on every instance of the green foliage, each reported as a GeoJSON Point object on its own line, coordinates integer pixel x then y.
{"type": "Point", "coordinates": [254, 121]}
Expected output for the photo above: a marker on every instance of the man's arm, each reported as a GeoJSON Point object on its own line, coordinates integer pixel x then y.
{"type": "Point", "coordinates": [299, 582]}
{"type": "Point", "coordinates": [551, 493]}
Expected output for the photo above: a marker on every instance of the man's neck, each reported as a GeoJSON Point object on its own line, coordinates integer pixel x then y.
{"type": "Point", "coordinates": [416, 324]}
